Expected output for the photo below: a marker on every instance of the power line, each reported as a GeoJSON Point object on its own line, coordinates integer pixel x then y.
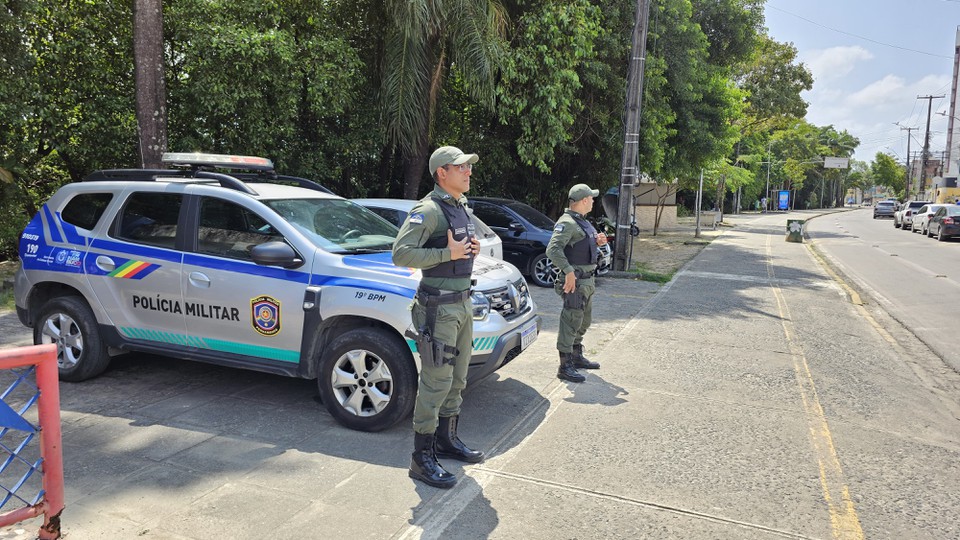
{"type": "Point", "coordinates": [837, 30]}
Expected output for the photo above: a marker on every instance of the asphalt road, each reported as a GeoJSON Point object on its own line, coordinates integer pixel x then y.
{"type": "Point", "coordinates": [914, 278]}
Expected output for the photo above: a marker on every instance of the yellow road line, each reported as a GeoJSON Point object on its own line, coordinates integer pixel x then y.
{"type": "Point", "coordinates": [843, 516]}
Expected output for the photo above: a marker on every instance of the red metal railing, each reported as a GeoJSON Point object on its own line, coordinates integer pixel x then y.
{"type": "Point", "coordinates": [49, 502]}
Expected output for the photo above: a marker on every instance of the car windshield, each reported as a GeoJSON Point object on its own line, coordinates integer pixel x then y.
{"type": "Point", "coordinates": [953, 210]}
{"type": "Point", "coordinates": [528, 213]}
{"type": "Point", "coordinates": [884, 203]}
{"type": "Point", "coordinates": [337, 225]}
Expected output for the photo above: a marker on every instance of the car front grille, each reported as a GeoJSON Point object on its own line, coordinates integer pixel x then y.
{"type": "Point", "coordinates": [510, 301]}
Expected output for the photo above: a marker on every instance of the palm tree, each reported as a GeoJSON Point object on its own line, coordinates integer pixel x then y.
{"type": "Point", "coordinates": [424, 39]}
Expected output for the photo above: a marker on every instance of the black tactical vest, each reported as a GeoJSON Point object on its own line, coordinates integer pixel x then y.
{"type": "Point", "coordinates": [462, 227]}
{"type": "Point", "coordinates": [583, 252]}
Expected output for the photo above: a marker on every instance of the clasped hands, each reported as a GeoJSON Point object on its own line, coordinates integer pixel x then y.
{"type": "Point", "coordinates": [462, 249]}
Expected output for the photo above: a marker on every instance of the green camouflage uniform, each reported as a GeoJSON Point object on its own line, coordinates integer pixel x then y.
{"type": "Point", "coordinates": [573, 322]}
{"type": "Point", "coordinates": [440, 388]}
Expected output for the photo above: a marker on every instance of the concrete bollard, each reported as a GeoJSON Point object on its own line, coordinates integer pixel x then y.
{"type": "Point", "coordinates": [795, 230]}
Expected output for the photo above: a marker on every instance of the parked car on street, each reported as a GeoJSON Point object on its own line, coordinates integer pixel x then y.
{"type": "Point", "coordinates": [903, 217]}
{"type": "Point", "coordinates": [525, 233]}
{"type": "Point", "coordinates": [245, 272]}
{"type": "Point", "coordinates": [945, 223]}
{"type": "Point", "coordinates": [884, 209]}
{"type": "Point", "coordinates": [396, 210]}
{"type": "Point", "coordinates": [922, 216]}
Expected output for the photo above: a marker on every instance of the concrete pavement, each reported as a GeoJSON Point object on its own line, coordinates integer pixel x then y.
{"type": "Point", "coordinates": [747, 398]}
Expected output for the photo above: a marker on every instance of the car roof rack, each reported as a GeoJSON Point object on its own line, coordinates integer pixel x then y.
{"type": "Point", "coordinates": [143, 175]}
{"type": "Point", "coordinates": [274, 178]}
{"type": "Point", "coordinates": [197, 166]}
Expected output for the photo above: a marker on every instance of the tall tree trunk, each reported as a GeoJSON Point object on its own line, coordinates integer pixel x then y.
{"type": "Point", "coordinates": [414, 166]}
{"type": "Point", "coordinates": [151, 90]}
{"type": "Point", "coordinates": [416, 162]}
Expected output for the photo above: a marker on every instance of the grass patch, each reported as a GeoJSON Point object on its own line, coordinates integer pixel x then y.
{"type": "Point", "coordinates": [645, 274]}
{"type": "Point", "coordinates": [7, 270]}
{"type": "Point", "coordinates": [6, 300]}
{"type": "Point", "coordinates": [655, 277]}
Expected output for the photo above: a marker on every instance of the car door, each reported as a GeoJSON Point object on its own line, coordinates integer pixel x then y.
{"type": "Point", "coordinates": [135, 271]}
{"type": "Point", "coordinates": [933, 227]}
{"type": "Point", "coordinates": [233, 305]}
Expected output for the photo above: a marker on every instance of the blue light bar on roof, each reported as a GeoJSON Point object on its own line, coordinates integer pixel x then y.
{"type": "Point", "coordinates": [225, 161]}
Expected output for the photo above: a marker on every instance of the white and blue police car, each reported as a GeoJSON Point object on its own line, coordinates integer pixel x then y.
{"type": "Point", "coordinates": [219, 259]}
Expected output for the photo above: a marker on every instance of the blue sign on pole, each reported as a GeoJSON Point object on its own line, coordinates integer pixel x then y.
{"type": "Point", "coordinates": [783, 200]}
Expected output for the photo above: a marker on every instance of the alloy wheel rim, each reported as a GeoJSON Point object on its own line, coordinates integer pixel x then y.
{"type": "Point", "coordinates": [62, 330]}
{"type": "Point", "coordinates": [362, 383]}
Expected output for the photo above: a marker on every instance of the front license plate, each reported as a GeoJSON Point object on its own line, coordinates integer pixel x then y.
{"type": "Point", "coordinates": [528, 335]}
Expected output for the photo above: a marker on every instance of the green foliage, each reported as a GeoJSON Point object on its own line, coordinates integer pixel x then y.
{"type": "Point", "coordinates": [773, 81]}
{"type": "Point", "coordinates": [887, 172]}
{"type": "Point", "coordinates": [541, 86]}
{"type": "Point", "coordinates": [264, 79]}
{"type": "Point", "coordinates": [690, 104]}
{"type": "Point", "coordinates": [732, 28]}
{"type": "Point", "coordinates": [350, 92]}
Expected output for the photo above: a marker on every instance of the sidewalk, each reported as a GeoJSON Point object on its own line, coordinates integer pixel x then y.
{"type": "Point", "coordinates": [747, 398]}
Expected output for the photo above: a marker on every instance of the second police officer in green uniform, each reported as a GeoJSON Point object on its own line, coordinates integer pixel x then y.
{"type": "Point", "coordinates": [438, 238]}
{"type": "Point", "coordinates": [573, 249]}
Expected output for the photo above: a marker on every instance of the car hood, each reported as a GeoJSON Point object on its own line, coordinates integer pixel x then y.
{"type": "Point", "coordinates": [489, 272]}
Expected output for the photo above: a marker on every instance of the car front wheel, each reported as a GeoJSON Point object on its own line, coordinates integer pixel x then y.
{"type": "Point", "coordinates": [367, 379]}
{"type": "Point", "coordinates": [70, 323]}
{"type": "Point", "coordinates": [542, 271]}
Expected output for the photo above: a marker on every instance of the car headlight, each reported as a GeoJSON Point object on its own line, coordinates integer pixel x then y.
{"type": "Point", "coordinates": [481, 306]}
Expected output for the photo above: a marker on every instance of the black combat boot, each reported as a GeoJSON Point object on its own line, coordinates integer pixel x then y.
{"type": "Point", "coordinates": [424, 465]}
{"type": "Point", "coordinates": [567, 372]}
{"type": "Point", "coordinates": [580, 361]}
{"type": "Point", "coordinates": [450, 446]}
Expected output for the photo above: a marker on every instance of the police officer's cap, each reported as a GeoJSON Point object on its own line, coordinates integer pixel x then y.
{"type": "Point", "coordinates": [450, 155]}
{"type": "Point", "coordinates": [582, 191]}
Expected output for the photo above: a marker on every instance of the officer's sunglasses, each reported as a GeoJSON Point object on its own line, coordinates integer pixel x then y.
{"type": "Point", "coordinates": [463, 168]}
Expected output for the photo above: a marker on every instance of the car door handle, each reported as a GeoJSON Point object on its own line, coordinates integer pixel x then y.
{"type": "Point", "coordinates": [106, 263]}
{"type": "Point", "coordinates": [199, 279]}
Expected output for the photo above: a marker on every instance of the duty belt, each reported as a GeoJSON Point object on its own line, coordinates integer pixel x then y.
{"type": "Point", "coordinates": [580, 274]}
{"type": "Point", "coordinates": [430, 296]}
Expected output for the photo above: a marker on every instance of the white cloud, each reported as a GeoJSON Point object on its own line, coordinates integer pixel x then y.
{"type": "Point", "coordinates": [889, 89]}
{"type": "Point", "coordinates": [835, 62]}
{"type": "Point", "coordinates": [869, 112]}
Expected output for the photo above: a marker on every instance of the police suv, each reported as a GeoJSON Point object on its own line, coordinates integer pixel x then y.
{"type": "Point", "coordinates": [244, 269]}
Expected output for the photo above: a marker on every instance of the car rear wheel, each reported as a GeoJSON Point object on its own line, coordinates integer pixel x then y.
{"type": "Point", "coordinates": [367, 379]}
{"type": "Point", "coordinates": [69, 322]}
{"type": "Point", "coordinates": [940, 236]}
{"type": "Point", "coordinates": [542, 271]}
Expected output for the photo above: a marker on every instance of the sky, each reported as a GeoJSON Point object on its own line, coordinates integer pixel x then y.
{"type": "Point", "coordinates": [870, 60]}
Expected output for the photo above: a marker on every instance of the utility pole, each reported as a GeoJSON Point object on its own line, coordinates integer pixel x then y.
{"type": "Point", "coordinates": [629, 164]}
{"type": "Point", "coordinates": [906, 190]}
{"type": "Point", "coordinates": [926, 145]}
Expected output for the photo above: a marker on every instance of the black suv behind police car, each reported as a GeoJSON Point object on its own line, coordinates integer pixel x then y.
{"type": "Point", "coordinates": [525, 233]}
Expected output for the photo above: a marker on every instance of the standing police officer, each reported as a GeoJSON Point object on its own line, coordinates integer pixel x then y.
{"type": "Point", "coordinates": [573, 249]}
{"type": "Point", "coordinates": [438, 237]}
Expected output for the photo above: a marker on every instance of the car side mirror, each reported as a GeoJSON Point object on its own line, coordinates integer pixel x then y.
{"type": "Point", "coordinates": [516, 227]}
{"type": "Point", "coordinates": [275, 254]}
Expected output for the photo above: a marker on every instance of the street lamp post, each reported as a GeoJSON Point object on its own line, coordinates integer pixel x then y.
{"type": "Point", "coordinates": [766, 194]}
